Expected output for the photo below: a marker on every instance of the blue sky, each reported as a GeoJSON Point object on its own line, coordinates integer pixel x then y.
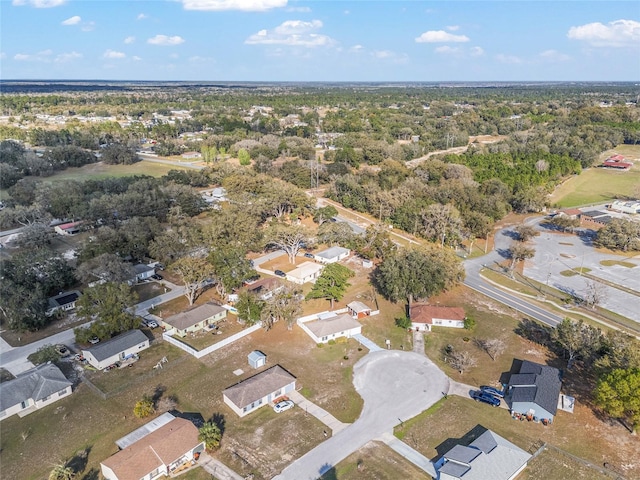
{"type": "Point", "coordinates": [323, 40]}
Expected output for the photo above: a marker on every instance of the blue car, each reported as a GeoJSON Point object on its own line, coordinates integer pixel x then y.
{"type": "Point", "coordinates": [479, 396]}
{"type": "Point", "coordinates": [492, 391]}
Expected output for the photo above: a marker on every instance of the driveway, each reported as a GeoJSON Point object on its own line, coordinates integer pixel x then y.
{"type": "Point", "coordinates": [395, 386]}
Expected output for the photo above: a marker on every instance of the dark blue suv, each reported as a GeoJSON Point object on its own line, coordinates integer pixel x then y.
{"type": "Point", "coordinates": [479, 396]}
{"type": "Point", "coordinates": [492, 391]}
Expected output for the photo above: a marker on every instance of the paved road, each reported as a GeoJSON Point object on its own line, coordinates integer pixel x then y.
{"type": "Point", "coordinates": [395, 386]}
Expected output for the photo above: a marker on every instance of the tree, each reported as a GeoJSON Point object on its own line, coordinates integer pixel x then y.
{"type": "Point", "coordinates": [332, 283]}
{"type": "Point", "coordinates": [525, 232]}
{"type": "Point", "coordinates": [619, 350]}
{"type": "Point", "coordinates": [403, 322]}
{"type": "Point", "coordinates": [493, 346]}
{"type": "Point", "coordinates": [249, 307]}
{"type": "Point", "coordinates": [335, 233]}
{"type": "Point", "coordinates": [231, 268]}
{"type": "Point", "coordinates": [211, 435]}
{"type": "Point", "coordinates": [577, 339]}
{"type": "Point", "coordinates": [46, 353]}
{"type": "Point", "coordinates": [285, 305]}
{"type": "Point", "coordinates": [595, 294]}
{"type": "Point", "coordinates": [244, 157]}
{"type": "Point", "coordinates": [62, 472]}
{"type": "Point", "coordinates": [619, 234]}
{"type": "Point", "coordinates": [462, 361]}
{"type": "Point", "coordinates": [418, 273]}
{"type": "Point", "coordinates": [324, 214]}
{"type": "Point", "coordinates": [618, 393]}
{"type": "Point", "coordinates": [290, 238]}
{"type": "Point", "coordinates": [118, 154]}
{"type": "Point", "coordinates": [194, 272]}
{"type": "Point", "coordinates": [109, 304]}
{"type": "Point", "coordinates": [376, 242]}
{"type": "Point", "coordinates": [519, 252]}
{"type": "Point", "coordinates": [144, 408]}
{"type": "Point", "coordinates": [441, 223]}
{"type": "Point", "coordinates": [107, 267]}
{"type": "Point", "coordinates": [564, 222]}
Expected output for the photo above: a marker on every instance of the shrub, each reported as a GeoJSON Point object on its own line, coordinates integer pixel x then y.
{"type": "Point", "coordinates": [469, 323]}
{"type": "Point", "coordinates": [403, 322]}
{"type": "Point", "coordinates": [331, 342]}
{"type": "Point", "coordinates": [144, 408]}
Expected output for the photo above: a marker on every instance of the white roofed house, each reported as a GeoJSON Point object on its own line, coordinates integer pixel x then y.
{"type": "Point", "coordinates": [332, 255]}
{"type": "Point", "coordinates": [258, 390]}
{"type": "Point", "coordinates": [358, 309]}
{"type": "Point", "coordinates": [329, 326]}
{"type": "Point", "coordinates": [117, 349]}
{"type": "Point", "coordinates": [306, 272]}
{"type": "Point", "coordinates": [32, 390]}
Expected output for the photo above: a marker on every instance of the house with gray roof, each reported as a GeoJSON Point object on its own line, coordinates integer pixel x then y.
{"type": "Point", "coordinates": [64, 301]}
{"type": "Point", "coordinates": [488, 457]}
{"type": "Point", "coordinates": [194, 319]}
{"type": "Point", "coordinates": [332, 254]}
{"type": "Point", "coordinates": [33, 390]}
{"type": "Point", "coordinates": [117, 349]}
{"type": "Point", "coordinates": [329, 326]}
{"type": "Point", "coordinates": [533, 390]}
{"type": "Point", "coordinates": [258, 390]}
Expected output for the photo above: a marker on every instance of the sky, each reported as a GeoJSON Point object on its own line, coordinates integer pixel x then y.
{"type": "Point", "coordinates": [322, 40]}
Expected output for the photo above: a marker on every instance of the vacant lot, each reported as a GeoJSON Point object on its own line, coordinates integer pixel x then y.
{"type": "Point", "coordinates": [599, 185]}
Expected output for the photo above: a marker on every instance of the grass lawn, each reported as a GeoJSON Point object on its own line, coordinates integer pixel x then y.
{"type": "Point", "coordinates": [611, 263]}
{"type": "Point", "coordinates": [102, 170]}
{"type": "Point", "coordinates": [375, 460]}
{"type": "Point", "coordinates": [147, 291]}
{"type": "Point", "coordinates": [598, 185]}
{"type": "Point", "coordinates": [553, 465]}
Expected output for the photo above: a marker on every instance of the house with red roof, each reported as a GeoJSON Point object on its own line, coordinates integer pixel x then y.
{"type": "Point", "coordinates": [424, 316]}
{"type": "Point", "coordinates": [616, 162]}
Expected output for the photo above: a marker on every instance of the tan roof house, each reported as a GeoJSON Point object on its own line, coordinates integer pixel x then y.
{"type": "Point", "coordinates": [194, 319]}
{"type": "Point", "coordinates": [424, 316]}
{"type": "Point", "coordinates": [306, 272]}
{"type": "Point", "coordinates": [258, 390]}
{"type": "Point", "coordinates": [163, 451]}
{"type": "Point", "coordinates": [330, 326]}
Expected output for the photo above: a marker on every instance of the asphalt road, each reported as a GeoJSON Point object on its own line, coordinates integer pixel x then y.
{"type": "Point", "coordinates": [395, 386]}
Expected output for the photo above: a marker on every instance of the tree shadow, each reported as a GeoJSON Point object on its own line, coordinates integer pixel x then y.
{"type": "Point", "coordinates": [534, 332]}
{"type": "Point", "coordinates": [512, 234]}
{"type": "Point", "coordinates": [93, 474]}
{"type": "Point", "coordinates": [328, 472]}
{"type": "Point", "coordinates": [219, 420]}
{"type": "Point", "coordinates": [79, 461]}
{"type": "Point", "coordinates": [194, 417]}
{"type": "Point", "coordinates": [157, 394]}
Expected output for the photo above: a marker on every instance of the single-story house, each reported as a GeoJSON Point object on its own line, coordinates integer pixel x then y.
{"type": "Point", "coordinates": [596, 216]}
{"type": "Point", "coordinates": [116, 349]}
{"type": "Point", "coordinates": [191, 155]}
{"type": "Point", "coordinates": [625, 207]}
{"type": "Point", "coordinates": [258, 390]}
{"type": "Point", "coordinates": [68, 228]}
{"type": "Point", "coordinates": [195, 319]}
{"type": "Point", "coordinates": [265, 288]}
{"type": "Point", "coordinates": [306, 272]}
{"type": "Point", "coordinates": [534, 390]}
{"type": "Point", "coordinates": [332, 255]}
{"type": "Point", "coordinates": [33, 390]}
{"type": "Point", "coordinates": [488, 457]}
{"type": "Point", "coordinates": [64, 301]}
{"type": "Point", "coordinates": [617, 162]}
{"type": "Point", "coordinates": [424, 316]}
{"type": "Point", "coordinates": [358, 309]}
{"type": "Point", "coordinates": [143, 272]}
{"type": "Point", "coordinates": [160, 452]}
{"type": "Point", "coordinates": [330, 326]}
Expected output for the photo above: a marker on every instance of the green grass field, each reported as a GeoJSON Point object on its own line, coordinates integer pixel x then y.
{"type": "Point", "coordinates": [598, 185]}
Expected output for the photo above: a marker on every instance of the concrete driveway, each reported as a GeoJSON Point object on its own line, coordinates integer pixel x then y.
{"type": "Point", "coordinates": [395, 386]}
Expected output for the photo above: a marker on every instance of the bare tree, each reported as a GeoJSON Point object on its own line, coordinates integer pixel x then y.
{"type": "Point", "coordinates": [595, 294]}
{"type": "Point", "coordinates": [288, 238]}
{"type": "Point", "coordinates": [525, 232]}
{"type": "Point", "coordinates": [462, 361]}
{"type": "Point", "coordinates": [195, 272]}
{"type": "Point", "coordinates": [519, 252]}
{"type": "Point", "coordinates": [493, 346]}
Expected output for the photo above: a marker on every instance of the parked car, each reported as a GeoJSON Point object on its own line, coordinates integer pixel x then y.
{"type": "Point", "coordinates": [63, 350]}
{"type": "Point", "coordinates": [309, 255]}
{"type": "Point", "coordinates": [156, 276]}
{"type": "Point", "coordinates": [280, 273]}
{"type": "Point", "coordinates": [283, 406]}
{"type": "Point", "coordinates": [479, 396]}
{"type": "Point", "coordinates": [94, 340]}
{"type": "Point", "coordinates": [492, 391]}
{"type": "Point", "coordinates": [152, 324]}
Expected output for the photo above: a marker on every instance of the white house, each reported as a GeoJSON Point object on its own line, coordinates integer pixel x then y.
{"type": "Point", "coordinates": [160, 450]}
{"type": "Point", "coordinates": [191, 155]}
{"type": "Point", "coordinates": [33, 390]}
{"type": "Point", "coordinates": [64, 301]}
{"type": "Point", "coordinates": [118, 348]}
{"type": "Point", "coordinates": [265, 288]}
{"type": "Point", "coordinates": [488, 457]}
{"type": "Point", "coordinates": [143, 272]}
{"type": "Point", "coordinates": [195, 319]}
{"type": "Point", "coordinates": [67, 228]}
{"type": "Point", "coordinates": [626, 207]}
{"type": "Point", "coordinates": [258, 390]}
{"type": "Point", "coordinates": [306, 272]}
{"type": "Point", "coordinates": [329, 326]}
{"type": "Point", "coordinates": [332, 255]}
{"type": "Point", "coordinates": [424, 316]}
{"type": "Point", "coordinates": [358, 309]}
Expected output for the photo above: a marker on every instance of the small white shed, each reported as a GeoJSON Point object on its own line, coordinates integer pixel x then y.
{"type": "Point", "coordinates": [257, 359]}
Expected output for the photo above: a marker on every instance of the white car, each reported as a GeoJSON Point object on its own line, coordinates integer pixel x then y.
{"type": "Point", "coordinates": [283, 406]}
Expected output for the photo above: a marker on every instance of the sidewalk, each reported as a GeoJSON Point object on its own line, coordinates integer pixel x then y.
{"type": "Point", "coordinates": [216, 468]}
{"type": "Point", "coordinates": [365, 342]}
{"type": "Point", "coordinates": [325, 417]}
{"type": "Point", "coordinates": [409, 453]}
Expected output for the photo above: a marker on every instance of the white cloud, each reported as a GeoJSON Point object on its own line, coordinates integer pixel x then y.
{"type": "Point", "coordinates": [142, 16]}
{"type": "Point", "coordinates": [511, 59]}
{"type": "Point", "coordinates": [453, 28]}
{"type": "Point", "coordinates": [244, 5]}
{"type": "Point", "coordinates": [113, 54]}
{"type": "Point", "coordinates": [174, 56]}
{"type": "Point", "coordinates": [39, 3]}
{"type": "Point", "coordinates": [165, 40]}
{"type": "Point", "coordinates": [136, 58]}
{"type": "Point", "coordinates": [389, 55]}
{"type": "Point", "coordinates": [553, 56]}
{"type": "Point", "coordinates": [43, 56]}
{"type": "Point", "coordinates": [356, 49]}
{"type": "Point", "coordinates": [447, 50]}
{"type": "Point", "coordinates": [3, 55]}
{"type": "Point", "coordinates": [67, 57]}
{"type": "Point", "coordinates": [72, 20]}
{"type": "Point", "coordinates": [440, 36]}
{"type": "Point", "coordinates": [292, 33]}
{"type": "Point", "coordinates": [476, 51]}
{"type": "Point", "coordinates": [129, 40]}
{"type": "Point", "coordinates": [199, 59]}
{"type": "Point", "coordinates": [620, 33]}
{"type": "Point", "coordinates": [88, 26]}
{"type": "Point", "coordinates": [299, 9]}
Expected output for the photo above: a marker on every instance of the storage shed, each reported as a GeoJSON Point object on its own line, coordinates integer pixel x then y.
{"type": "Point", "coordinates": [257, 359]}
